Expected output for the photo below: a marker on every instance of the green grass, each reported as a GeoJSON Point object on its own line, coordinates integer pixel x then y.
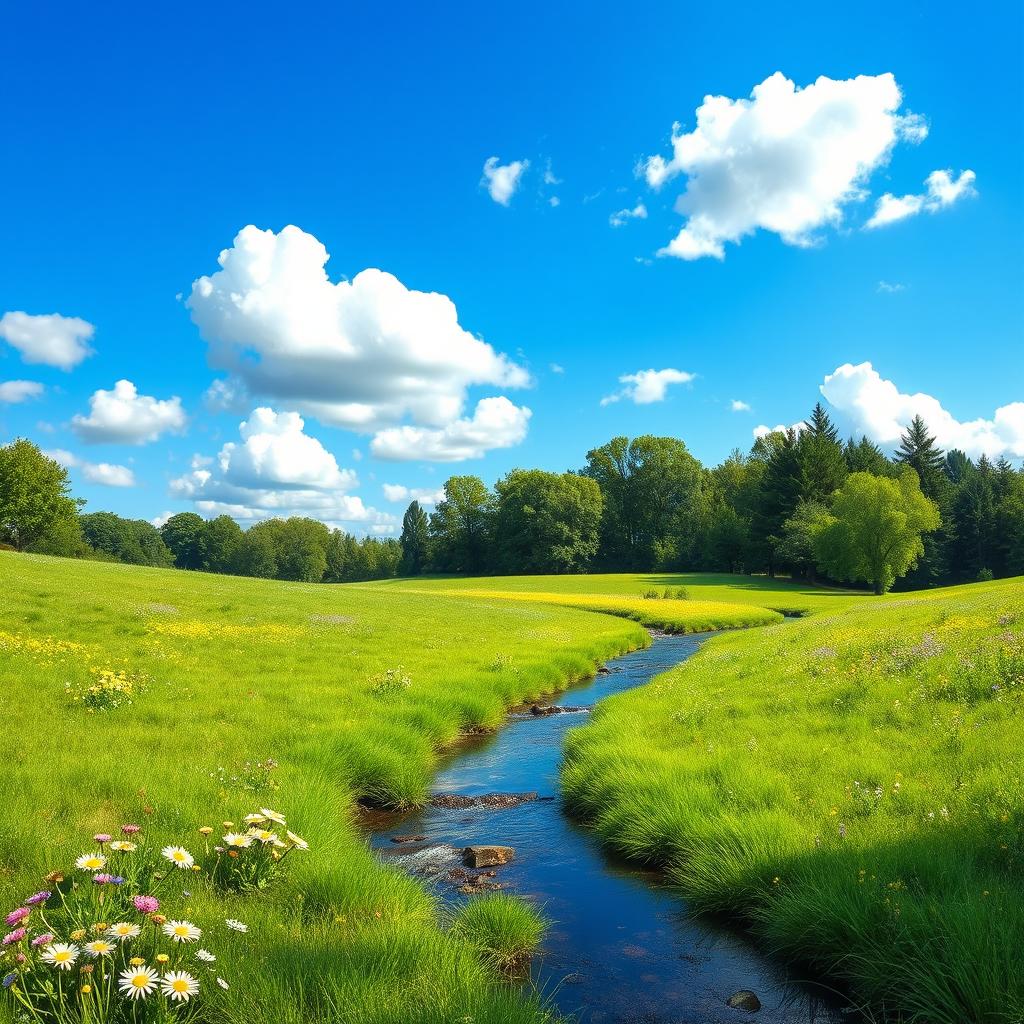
{"type": "Point", "coordinates": [237, 671]}
{"type": "Point", "coordinates": [849, 785]}
{"type": "Point", "coordinates": [507, 931]}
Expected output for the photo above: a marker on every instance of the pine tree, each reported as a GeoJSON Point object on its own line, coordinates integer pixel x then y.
{"type": "Point", "coordinates": [918, 450]}
{"type": "Point", "coordinates": [415, 541]}
{"type": "Point", "coordinates": [866, 457]}
{"type": "Point", "coordinates": [820, 455]}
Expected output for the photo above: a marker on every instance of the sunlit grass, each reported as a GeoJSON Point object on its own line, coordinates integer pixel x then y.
{"type": "Point", "coordinates": [850, 785]}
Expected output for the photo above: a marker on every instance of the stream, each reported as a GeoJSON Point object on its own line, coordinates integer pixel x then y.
{"type": "Point", "coordinates": [621, 946]}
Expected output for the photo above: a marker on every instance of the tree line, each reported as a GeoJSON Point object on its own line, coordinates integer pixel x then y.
{"type": "Point", "coordinates": [800, 502]}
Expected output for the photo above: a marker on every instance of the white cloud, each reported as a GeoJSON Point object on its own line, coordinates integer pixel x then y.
{"type": "Point", "coordinates": [556, 368]}
{"type": "Point", "coordinates": [762, 430]}
{"type": "Point", "coordinates": [555, 201]}
{"type": "Point", "coordinates": [941, 190]}
{"type": "Point", "coordinates": [14, 391]}
{"type": "Point", "coordinates": [365, 354]}
{"type": "Point", "coordinates": [787, 160]}
{"type": "Point", "coordinates": [159, 520]}
{"type": "Point", "coordinates": [879, 409]}
{"type": "Point", "coordinates": [106, 474]}
{"type": "Point", "coordinates": [737, 406]}
{"type": "Point", "coordinates": [503, 180]}
{"type": "Point", "coordinates": [275, 470]}
{"type": "Point", "coordinates": [646, 386]}
{"type": "Point", "coordinates": [124, 416]}
{"type": "Point", "coordinates": [227, 395]}
{"type": "Point", "coordinates": [549, 176]}
{"type": "Point", "coordinates": [890, 287]}
{"type": "Point", "coordinates": [424, 495]}
{"type": "Point", "coordinates": [50, 339]}
{"type": "Point", "coordinates": [495, 423]}
{"type": "Point", "coordinates": [639, 212]}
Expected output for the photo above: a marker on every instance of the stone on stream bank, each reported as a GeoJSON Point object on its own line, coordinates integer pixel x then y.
{"type": "Point", "coordinates": [487, 856]}
{"type": "Point", "coordinates": [456, 801]}
{"type": "Point", "coordinates": [744, 1000]}
{"type": "Point", "coordinates": [543, 710]}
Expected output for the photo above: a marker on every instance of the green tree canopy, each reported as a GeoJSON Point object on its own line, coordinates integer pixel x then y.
{"type": "Point", "coordinates": [874, 531]}
{"type": "Point", "coordinates": [415, 541]}
{"type": "Point", "coordinates": [461, 526]}
{"type": "Point", "coordinates": [34, 495]}
{"type": "Point", "coordinates": [546, 522]}
{"type": "Point", "coordinates": [820, 457]}
{"type": "Point", "coordinates": [128, 540]}
{"type": "Point", "coordinates": [918, 450]}
{"type": "Point", "coordinates": [184, 534]}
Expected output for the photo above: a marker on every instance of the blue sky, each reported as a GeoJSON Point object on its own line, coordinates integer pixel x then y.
{"type": "Point", "coordinates": [137, 148]}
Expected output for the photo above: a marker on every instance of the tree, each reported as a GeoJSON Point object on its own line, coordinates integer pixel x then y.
{"type": "Point", "coordinates": [300, 547]}
{"type": "Point", "coordinates": [820, 457]}
{"type": "Point", "coordinates": [874, 530]}
{"type": "Point", "coordinates": [917, 449]}
{"type": "Point", "coordinates": [546, 522]}
{"type": "Point", "coordinates": [650, 488]}
{"type": "Point", "coordinates": [133, 541]}
{"type": "Point", "coordinates": [184, 534]}
{"type": "Point", "coordinates": [255, 554]}
{"type": "Point", "coordinates": [221, 538]}
{"type": "Point", "coordinates": [34, 494]}
{"type": "Point", "coordinates": [461, 526]}
{"type": "Point", "coordinates": [866, 457]}
{"type": "Point", "coordinates": [777, 496]}
{"type": "Point", "coordinates": [415, 541]}
{"type": "Point", "coordinates": [796, 544]}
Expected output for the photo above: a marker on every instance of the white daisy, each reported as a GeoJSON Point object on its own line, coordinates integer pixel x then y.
{"type": "Point", "coordinates": [297, 841]}
{"type": "Point", "coordinates": [61, 954]}
{"type": "Point", "coordinates": [254, 819]}
{"type": "Point", "coordinates": [205, 955]}
{"type": "Point", "coordinates": [236, 926]}
{"type": "Point", "coordinates": [239, 839]}
{"type": "Point", "coordinates": [123, 846]}
{"type": "Point", "coordinates": [99, 947]}
{"type": "Point", "coordinates": [179, 986]}
{"type": "Point", "coordinates": [178, 856]}
{"type": "Point", "coordinates": [275, 816]}
{"type": "Point", "coordinates": [182, 931]}
{"type": "Point", "coordinates": [90, 862]}
{"type": "Point", "coordinates": [263, 835]}
{"type": "Point", "coordinates": [137, 982]}
{"type": "Point", "coordinates": [223, 984]}
{"type": "Point", "coordinates": [123, 930]}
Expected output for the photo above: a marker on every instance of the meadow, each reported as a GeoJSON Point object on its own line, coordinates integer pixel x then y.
{"type": "Point", "coordinates": [849, 786]}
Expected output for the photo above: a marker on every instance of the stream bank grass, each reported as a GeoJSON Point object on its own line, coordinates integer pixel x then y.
{"type": "Point", "coordinates": [507, 931]}
{"type": "Point", "coordinates": [249, 693]}
{"type": "Point", "coordinates": [850, 785]}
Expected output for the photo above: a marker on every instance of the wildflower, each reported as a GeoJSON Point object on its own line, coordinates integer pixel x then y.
{"type": "Point", "coordinates": [100, 927]}
{"type": "Point", "coordinates": [236, 926]}
{"type": "Point", "coordinates": [78, 934]}
{"type": "Point", "coordinates": [16, 936]}
{"type": "Point", "coordinates": [158, 918]}
{"type": "Point", "coordinates": [274, 816]}
{"type": "Point", "coordinates": [16, 916]}
{"type": "Point", "coordinates": [254, 819]}
{"type": "Point", "coordinates": [263, 835]}
{"type": "Point", "coordinates": [205, 955]}
{"type": "Point", "coordinates": [228, 824]}
{"type": "Point", "coordinates": [123, 846]}
{"type": "Point", "coordinates": [179, 986]}
{"type": "Point", "coordinates": [86, 969]}
{"type": "Point", "coordinates": [61, 955]}
{"type": "Point", "coordinates": [38, 897]}
{"type": "Point", "coordinates": [182, 931]}
{"type": "Point", "coordinates": [136, 961]}
{"type": "Point", "coordinates": [11, 978]}
{"type": "Point", "coordinates": [99, 947]}
{"type": "Point", "coordinates": [131, 830]}
{"type": "Point", "coordinates": [54, 876]}
{"type": "Point", "coordinates": [139, 982]}
{"type": "Point", "coordinates": [178, 856]}
{"type": "Point", "coordinates": [123, 930]}
{"type": "Point", "coordinates": [232, 853]}
{"type": "Point", "coordinates": [86, 989]}
{"type": "Point", "coordinates": [297, 841]}
{"type": "Point", "coordinates": [197, 867]}
{"type": "Point", "coordinates": [223, 984]}
{"type": "Point", "coordinates": [90, 862]}
{"type": "Point", "coordinates": [206, 831]}
{"type": "Point", "coordinates": [102, 879]}
{"type": "Point", "coordinates": [239, 839]}
{"type": "Point", "coordinates": [162, 958]}
{"type": "Point", "coordinates": [101, 838]}
{"type": "Point", "coordinates": [42, 940]}
{"type": "Point", "coordinates": [146, 904]}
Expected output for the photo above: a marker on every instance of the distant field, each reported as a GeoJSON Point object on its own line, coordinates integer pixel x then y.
{"type": "Point", "coordinates": [351, 689]}
{"type": "Point", "coordinates": [851, 785]}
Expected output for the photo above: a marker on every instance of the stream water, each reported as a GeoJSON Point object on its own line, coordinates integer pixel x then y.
{"type": "Point", "coordinates": [622, 946]}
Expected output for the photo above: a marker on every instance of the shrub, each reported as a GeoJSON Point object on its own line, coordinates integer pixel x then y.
{"type": "Point", "coordinates": [506, 930]}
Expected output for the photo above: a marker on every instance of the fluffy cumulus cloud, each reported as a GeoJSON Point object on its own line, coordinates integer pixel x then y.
{"type": "Point", "coordinates": [367, 354]}
{"type": "Point", "coordinates": [495, 423]}
{"type": "Point", "coordinates": [123, 416]}
{"type": "Point", "coordinates": [502, 181]}
{"type": "Point", "coordinates": [424, 495]}
{"type": "Point", "coordinates": [622, 217]}
{"type": "Point", "coordinates": [647, 386]}
{"type": "Point", "coordinates": [14, 391]}
{"type": "Point", "coordinates": [876, 407]}
{"type": "Point", "coordinates": [736, 405]}
{"type": "Point", "coordinates": [49, 339]}
{"type": "Point", "coordinates": [763, 430]}
{"type": "Point", "coordinates": [275, 469]}
{"type": "Point", "coordinates": [787, 160]}
{"type": "Point", "coordinates": [941, 190]}
{"type": "Point", "coordinates": [106, 474]}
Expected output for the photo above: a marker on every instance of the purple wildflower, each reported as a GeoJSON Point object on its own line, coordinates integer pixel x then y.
{"type": "Point", "coordinates": [102, 837]}
{"type": "Point", "coordinates": [38, 897]}
{"type": "Point", "coordinates": [131, 830]}
{"type": "Point", "coordinates": [9, 980]}
{"type": "Point", "coordinates": [42, 940]}
{"type": "Point", "coordinates": [116, 880]}
{"type": "Point", "coordinates": [102, 879]}
{"type": "Point", "coordinates": [146, 904]}
{"type": "Point", "coordinates": [16, 916]}
{"type": "Point", "coordinates": [16, 936]}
